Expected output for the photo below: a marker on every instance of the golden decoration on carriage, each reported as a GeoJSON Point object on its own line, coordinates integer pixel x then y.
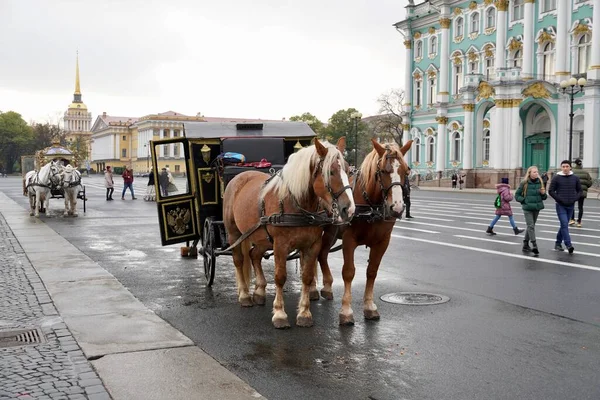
{"type": "Point", "coordinates": [179, 220]}
{"type": "Point", "coordinates": [208, 177]}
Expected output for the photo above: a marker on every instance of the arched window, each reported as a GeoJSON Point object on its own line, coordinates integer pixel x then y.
{"type": "Point", "coordinates": [432, 90]}
{"type": "Point", "coordinates": [490, 72]}
{"type": "Point", "coordinates": [474, 66]}
{"type": "Point", "coordinates": [416, 150]}
{"type": "Point", "coordinates": [584, 54]}
{"type": "Point", "coordinates": [430, 149]}
{"type": "Point", "coordinates": [518, 60]}
{"type": "Point", "coordinates": [490, 18]}
{"type": "Point", "coordinates": [475, 23]}
{"type": "Point", "coordinates": [458, 78]}
{"type": "Point", "coordinates": [456, 146]}
{"type": "Point", "coordinates": [433, 42]}
{"type": "Point", "coordinates": [418, 90]}
{"type": "Point", "coordinates": [459, 27]}
{"type": "Point", "coordinates": [517, 10]}
{"type": "Point", "coordinates": [419, 50]}
{"type": "Point", "coordinates": [548, 61]}
{"type": "Point", "coordinates": [486, 145]}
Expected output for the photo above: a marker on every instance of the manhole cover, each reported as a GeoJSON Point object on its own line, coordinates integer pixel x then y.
{"type": "Point", "coordinates": [415, 299]}
{"type": "Point", "coordinates": [21, 337]}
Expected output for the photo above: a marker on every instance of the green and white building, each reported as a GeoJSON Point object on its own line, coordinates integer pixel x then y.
{"type": "Point", "coordinates": [483, 86]}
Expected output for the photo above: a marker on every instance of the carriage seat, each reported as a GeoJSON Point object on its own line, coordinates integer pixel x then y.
{"type": "Point", "coordinates": [254, 149]}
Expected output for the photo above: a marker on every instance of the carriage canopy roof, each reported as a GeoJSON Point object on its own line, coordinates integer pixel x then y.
{"type": "Point", "coordinates": [221, 130]}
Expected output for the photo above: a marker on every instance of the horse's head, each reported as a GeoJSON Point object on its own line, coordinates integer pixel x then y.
{"type": "Point", "coordinates": [391, 173]}
{"type": "Point", "coordinates": [330, 180]}
{"type": "Point", "coordinates": [54, 173]}
{"type": "Point", "coordinates": [70, 177]}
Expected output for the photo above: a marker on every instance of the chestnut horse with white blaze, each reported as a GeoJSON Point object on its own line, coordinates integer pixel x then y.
{"type": "Point", "coordinates": [283, 213]}
{"type": "Point", "coordinates": [377, 190]}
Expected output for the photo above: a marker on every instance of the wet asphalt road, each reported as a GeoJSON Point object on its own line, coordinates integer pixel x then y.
{"type": "Point", "coordinates": [515, 327]}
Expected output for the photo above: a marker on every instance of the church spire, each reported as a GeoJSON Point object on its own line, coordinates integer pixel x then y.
{"type": "Point", "coordinates": [77, 88]}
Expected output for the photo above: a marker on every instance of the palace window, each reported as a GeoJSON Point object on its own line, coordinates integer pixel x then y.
{"type": "Point", "coordinates": [548, 61]}
{"type": "Point", "coordinates": [123, 153]}
{"type": "Point", "coordinates": [490, 72]}
{"type": "Point", "coordinates": [475, 23]}
{"type": "Point", "coordinates": [433, 45]}
{"type": "Point", "coordinates": [416, 147]}
{"type": "Point", "coordinates": [486, 144]}
{"type": "Point", "coordinates": [584, 54]}
{"type": "Point", "coordinates": [432, 90]}
{"type": "Point", "coordinates": [518, 60]}
{"type": "Point", "coordinates": [430, 149]}
{"type": "Point", "coordinates": [459, 27]}
{"type": "Point", "coordinates": [418, 90]}
{"type": "Point", "coordinates": [458, 78]}
{"type": "Point", "coordinates": [490, 18]}
{"type": "Point", "coordinates": [517, 10]}
{"type": "Point", "coordinates": [419, 49]}
{"type": "Point", "coordinates": [473, 67]}
{"type": "Point", "coordinates": [548, 5]}
{"type": "Point", "coordinates": [124, 137]}
{"type": "Point", "coordinates": [456, 146]}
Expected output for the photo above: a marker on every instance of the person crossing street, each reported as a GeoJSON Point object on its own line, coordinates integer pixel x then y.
{"type": "Point", "coordinates": [565, 189]}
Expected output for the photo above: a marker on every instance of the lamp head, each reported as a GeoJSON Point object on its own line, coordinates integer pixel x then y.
{"type": "Point", "coordinates": [581, 81]}
{"type": "Point", "coordinates": [564, 84]}
{"type": "Point", "coordinates": [572, 81]}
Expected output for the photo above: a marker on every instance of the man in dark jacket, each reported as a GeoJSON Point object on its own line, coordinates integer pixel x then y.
{"type": "Point", "coordinates": [565, 189]}
{"type": "Point", "coordinates": [586, 182]}
{"type": "Point", "coordinates": [406, 194]}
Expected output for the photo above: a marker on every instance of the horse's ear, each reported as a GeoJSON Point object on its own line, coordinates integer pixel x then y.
{"type": "Point", "coordinates": [341, 144]}
{"type": "Point", "coordinates": [378, 147]}
{"type": "Point", "coordinates": [406, 147]}
{"type": "Point", "coordinates": [321, 150]}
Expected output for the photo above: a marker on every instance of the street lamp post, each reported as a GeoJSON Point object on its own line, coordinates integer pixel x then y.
{"type": "Point", "coordinates": [147, 146]}
{"type": "Point", "coordinates": [569, 87]}
{"type": "Point", "coordinates": [356, 117]}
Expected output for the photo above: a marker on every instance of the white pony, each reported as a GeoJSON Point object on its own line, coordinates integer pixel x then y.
{"type": "Point", "coordinates": [38, 184]}
{"type": "Point", "coordinates": [71, 188]}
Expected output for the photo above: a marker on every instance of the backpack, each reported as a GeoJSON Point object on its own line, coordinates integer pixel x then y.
{"type": "Point", "coordinates": [498, 202]}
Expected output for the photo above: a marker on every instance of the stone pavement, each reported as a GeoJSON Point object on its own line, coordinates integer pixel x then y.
{"type": "Point", "coordinates": [99, 341]}
{"type": "Point", "coordinates": [55, 369]}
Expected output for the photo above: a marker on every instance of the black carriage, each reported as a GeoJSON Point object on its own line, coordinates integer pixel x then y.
{"type": "Point", "coordinates": [200, 171]}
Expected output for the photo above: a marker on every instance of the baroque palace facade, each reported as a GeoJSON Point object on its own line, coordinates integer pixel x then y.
{"type": "Point", "coordinates": [483, 92]}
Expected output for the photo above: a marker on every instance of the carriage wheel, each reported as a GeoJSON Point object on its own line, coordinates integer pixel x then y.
{"type": "Point", "coordinates": [208, 253]}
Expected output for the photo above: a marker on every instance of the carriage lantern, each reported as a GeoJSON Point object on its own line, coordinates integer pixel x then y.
{"type": "Point", "coordinates": [205, 154]}
{"type": "Point", "coordinates": [297, 146]}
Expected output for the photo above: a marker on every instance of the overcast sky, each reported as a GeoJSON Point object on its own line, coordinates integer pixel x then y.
{"type": "Point", "coordinates": [224, 58]}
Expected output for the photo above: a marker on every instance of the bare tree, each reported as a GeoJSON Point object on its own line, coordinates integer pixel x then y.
{"type": "Point", "coordinates": [389, 122]}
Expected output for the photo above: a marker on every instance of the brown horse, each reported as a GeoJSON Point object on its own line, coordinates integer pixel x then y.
{"type": "Point", "coordinates": [377, 190]}
{"type": "Point", "coordinates": [282, 214]}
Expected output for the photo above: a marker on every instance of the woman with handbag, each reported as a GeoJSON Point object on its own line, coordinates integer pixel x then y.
{"type": "Point", "coordinates": [531, 194]}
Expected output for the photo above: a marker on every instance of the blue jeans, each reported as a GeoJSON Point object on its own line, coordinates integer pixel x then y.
{"type": "Point", "coordinates": [564, 213]}
{"type": "Point", "coordinates": [510, 219]}
{"type": "Point", "coordinates": [125, 186]}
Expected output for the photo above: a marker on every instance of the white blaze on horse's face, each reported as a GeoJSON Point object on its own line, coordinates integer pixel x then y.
{"type": "Point", "coordinates": [346, 182]}
{"type": "Point", "coordinates": [397, 194]}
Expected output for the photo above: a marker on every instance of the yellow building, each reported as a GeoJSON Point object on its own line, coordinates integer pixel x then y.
{"type": "Point", "coordinates": [77, 125]}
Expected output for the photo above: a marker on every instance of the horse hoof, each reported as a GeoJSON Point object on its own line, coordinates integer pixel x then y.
{"type": "Point", "coordinates": [371, 315]}
{"type": "Point", "coordinates": [246, 302]}
{"type": "Point", "coordinates": [31, 214]}
{"type": "Point", "coordinates": [281, 323]}
{"type": "Point", "coordinates": [327, 295]}
{"type": "Point", "coordinates": [346, 320]}
{"type": "Point", "coordinates": [259, 300]}
{"type": "Point", "coordinates": [313, 295]}
{"type": "Point", "coordinates": [305, 322]}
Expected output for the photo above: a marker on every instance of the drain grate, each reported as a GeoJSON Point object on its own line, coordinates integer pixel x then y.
{"type": "Point", "coordinates": [415, 299]}
{"type": "Point", "coordinates": [21, 337]}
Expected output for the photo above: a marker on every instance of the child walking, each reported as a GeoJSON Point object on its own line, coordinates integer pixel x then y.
{"type": "Point", "coordinates": [506, 197]}
{"type": "Point", "coordinates": [531, 194]}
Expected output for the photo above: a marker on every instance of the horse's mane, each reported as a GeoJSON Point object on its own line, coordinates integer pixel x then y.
{"type": "Point", "coordinates": [294, 178]}
{"type": "Point", "coordinates": [368, 168]}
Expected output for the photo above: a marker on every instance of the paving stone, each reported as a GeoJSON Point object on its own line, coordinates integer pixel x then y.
{"type": "Point", "coordinates": [99, 396]}
{"type": "Point", "coordinates": [95, 389]}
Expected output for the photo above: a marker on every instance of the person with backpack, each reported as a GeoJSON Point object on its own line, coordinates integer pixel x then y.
{"type": "Point", "coordinates": [502, 204]}
{"type": "Point", "coordinates": [586, 182]}
{"type": "Point", "coordinates": [531, 194]}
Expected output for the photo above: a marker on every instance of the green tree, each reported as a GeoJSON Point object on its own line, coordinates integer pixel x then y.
{"type": "Point", "coordinates": [79, 148]}
{"type": "Point", "coordinates": [342, 124]}
{"type": "Point", "coordinates": [15, 138]}
{"type": "Point", "coordinates": [312, 121]}
{"type": "Point", "coordinates": [44, 135]}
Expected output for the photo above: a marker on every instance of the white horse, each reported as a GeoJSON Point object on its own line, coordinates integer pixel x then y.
{"type": "Point", "coordinates": [71, 188]}
{"type": "Point", "coordinates": [38, 184]}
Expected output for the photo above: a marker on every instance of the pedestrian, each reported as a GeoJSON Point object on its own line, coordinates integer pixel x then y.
{"type": "Point", "coordinates": [406, 194]}
{"type": "Point", "coordinates": [163, 182]}
{"type": "Point", "coordinates": [109, 183]}
{"type": "Point", "coordinates": [461, 180]}
{"type": "Point", "coordinates": [565, 189]}
{"type": "Point", "coordinates": [454, 180]}
{"type": "Point", "coordinates": [150, 191]}
{"type": "Point", "coordinates": [503, 208]}
{"type": "Point", "coordinates": [128, 183]}
{"type": "Point", "coordinates": [531, 194]}
{"type": "Point", "coordinates": [586, 182]}
{"type": "Point", "coordinates": [545, 178]}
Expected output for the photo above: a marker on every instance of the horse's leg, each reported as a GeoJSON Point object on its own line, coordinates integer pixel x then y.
{"type": "Point", "coordinates": [348, 270]}
{"type": "Point", "coordinates": [256, 254]}
{"type": "Point", "coordinates": [67, 205]}
{"type": "Point", "coordinates": [38, 203]}
{"type": "Point", "coordinates": [242, 287]}
{"type": "Point", "coordinates": [74, 203]}
{"type": "Point", "coordinates": [280, 318]}
{"type": "Point", "coordinates": [375, 255]}
{"type": "Point", "coordinates": [309, 266]}
{"type": "Point", "coordinates": [31, 204]}
{"type": "Point", "coordinates": [329, 238]}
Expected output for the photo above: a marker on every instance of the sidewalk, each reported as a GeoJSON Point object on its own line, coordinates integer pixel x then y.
{"type": "Point", "coordinates": [98, 341]}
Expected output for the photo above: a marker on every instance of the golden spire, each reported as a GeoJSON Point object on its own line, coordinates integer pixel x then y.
{"type": "Point", "coordinates": [77, 88]}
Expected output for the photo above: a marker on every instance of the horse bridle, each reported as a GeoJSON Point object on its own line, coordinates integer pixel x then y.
{"type": "Point", "coordinates": [335, 195]}
{"type": "Point", "coordinates": [384, 190]}
{"type": "Point", "coordinates": [71, 182]}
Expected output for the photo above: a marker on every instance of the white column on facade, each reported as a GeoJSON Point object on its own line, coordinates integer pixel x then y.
{"type": "Point", "coordinates": [442, 135]}
{"type": "Point", "coordinates": [516, 133]}
{"type": "Point", "coordinates": [502, 8]}
{"type": "Point", "coordinates": [171, 146]}
{"type": "Point", "coordinates": [496, 136]}
{"type": "Point", "coordinates": [444, 47]}
{"type": "Point", "coordinates": [561, 68]}
{"type": "Point", "coordinates": [161, 135]}
{"type": "Point", "coordinates": [408, 76]}
{"type": "Point", "coordinates": [528, 39]}
{"type": "Point", "coordinates": [591, 138]}
{"type": "Point", "coordinates": [594, 72]}
{"type": "Point", "coordinates": [468, 136]}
